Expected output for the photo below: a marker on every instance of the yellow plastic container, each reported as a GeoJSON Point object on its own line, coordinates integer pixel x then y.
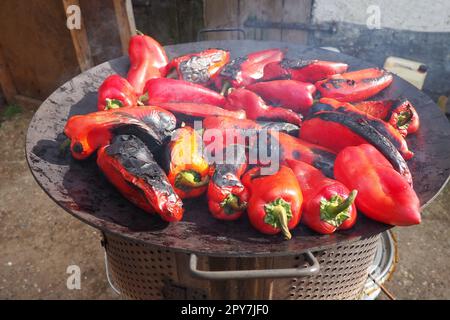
{"type": "Point", "coordinates": [412, 71]}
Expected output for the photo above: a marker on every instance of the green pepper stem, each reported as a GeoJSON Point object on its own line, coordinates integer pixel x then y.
{"type": "Point", "coordinates": [64, 145]}
{"type": "Point", "coordinates": [225, 87]}
{"type": "Point", "coordinates": [139, 33]}
{"type": "Point", "coordinates": [188, 179]}
{"type": "Point", "coordinates": [280, 212]}
{"type": "Point", "coordinates": [232, 202]}
{"type": "Point", "coordinates": [334, 211]}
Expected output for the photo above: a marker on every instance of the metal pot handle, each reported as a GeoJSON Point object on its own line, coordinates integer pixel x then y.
{"type": "Point", "coordinates": [313, 269]}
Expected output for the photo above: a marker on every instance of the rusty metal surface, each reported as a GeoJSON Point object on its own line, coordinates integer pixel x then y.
{"type": "Point", "coordinates": [80, 189]}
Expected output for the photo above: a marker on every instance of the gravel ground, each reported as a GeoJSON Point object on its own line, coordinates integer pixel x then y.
{"type": "Point", "coordinates": [39, 241]}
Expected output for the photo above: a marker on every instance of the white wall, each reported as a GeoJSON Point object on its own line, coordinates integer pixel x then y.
{"type": "Point", "coordinates": [414, 15]}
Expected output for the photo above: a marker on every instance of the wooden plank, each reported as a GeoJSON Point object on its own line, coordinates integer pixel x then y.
{"type": "Point", "coordinates": [221, 14]}
{"type": "Point", "coordinates": [296, 11]}
{"type": "Point", "coordinates": [125, 20]}
{"type": "Point", "coordinates": [27, 102]}
{"type": "Point", "coordinates": [190, 19]}
{"type": "Point", "coordinates": [6, 81]}
{"type": "Point", "coordinates": [37, 46]}
{"type": "Point", "coordinates": [80, 41]}
{"type": "Point", "coordinates": [266, 10]}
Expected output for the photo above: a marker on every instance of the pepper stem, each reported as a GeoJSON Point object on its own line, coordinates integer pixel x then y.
{"type": "Point", "coordinates": [232, 204]}
{"type": "Point", "coordinates": [404, 118]}
{"type": "Point", "coordinates": [190, 179]}
{"type": "Point", "coordinates": [139, 33]}
{"type": "Point", "coordinates": [64, 145]}
{"type": "Point", "coordinates": [225, 87]}
{"type": "Point", "coordinates": [280, 212]}
{"type": "Point", "coordinates": [335, 211]}
{"type": "Point", "coordinates": [113, 104]}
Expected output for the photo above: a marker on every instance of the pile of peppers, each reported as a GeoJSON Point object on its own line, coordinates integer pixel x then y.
{"type": "Point", "coordinates": [339, 150]}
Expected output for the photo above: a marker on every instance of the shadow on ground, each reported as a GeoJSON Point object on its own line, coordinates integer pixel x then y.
{"type": "Point", "coordinates": [39, 241]}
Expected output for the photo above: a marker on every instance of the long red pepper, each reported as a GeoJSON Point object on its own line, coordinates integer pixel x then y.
{"type": "Point", "coordinates": [148, 60]}
{"type": "Point", "coordinates": [355, 86]}
{"type": "Point", "coordinates": [130, 167]}
{"type": "Point", "coordinates": [327, 204]}
{"type": "Point", "coordinates": [115, 92]}
{"type": "Point", "coordinates": [399, 113]}
{"type": "Point", "coordinates": [388, 131]}
{"type": "Point", "coordinates": [243, 71]}
{"type": "Point", "coordinates": [383, 194]}
{"type": "Point", "coordinates": [172, 90]}
{"type": "Point", "coordinates": [303, 70]}
{"type": "Point", "coordinates": [275, 203]}
{"type": "Point", "coordinates": [201, 67]}
{"type": "Point", "coordinates": [255, 107]}
{"type": "Point", "coordinates": [227, 196]}
{"type": "Point", "coordinates": [290, 94]}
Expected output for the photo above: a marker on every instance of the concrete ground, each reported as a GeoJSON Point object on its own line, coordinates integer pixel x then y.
{"type": "Point", "coordinates": [38, 240]}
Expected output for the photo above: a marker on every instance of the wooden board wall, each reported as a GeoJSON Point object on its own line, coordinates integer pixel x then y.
{"type": "Point", "coordinates": [39, 53]}
{"type": "Point", "coordinates": [234, 13]}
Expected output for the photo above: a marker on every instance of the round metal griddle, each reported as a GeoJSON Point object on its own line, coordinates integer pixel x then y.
{"type": "Point", "coordinates": [80, 188]}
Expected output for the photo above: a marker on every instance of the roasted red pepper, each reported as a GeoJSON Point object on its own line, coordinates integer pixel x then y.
{"type": "Point", "coordinates": [383, 194]}
{"type": "Point", "coordinates": [327, 204]}
{"type": "Point", "coordinates": [116, 92]}
{"type": "Point", "coordinates": [201, 67]}
{"type": "Point", "coordinates": [275, 201]}
{"type": "Point", "coordinates": [303, 70]}
{"type": "Point", "coordinates": [399, 113]}
{"type": "Point", "coordinates": [186, 111]}
{"type": "Point", "coordinates": [130, 167]}
{"type": "Point", "coordinates": [243, 71]}
{"type": "Point", "coordinates": [227, 196]}
{"type": "Point", "coordinates": [290, 94]}
{"type": "Point", "coordinates": [172, 90]}
{"type": "Point", "coordinates": [255, 107]}
{"type": "Point", "coordinates": [89, 132]}
{"type": "Point", "coordinates": [355, 86]}
{"type": "Point", "coordinates": [336, 130]}
{"type": "Point", "coordinates": [148, 60]}
{"type": "Point", "coordinates": [187, 168]}
{"type": "Point", "coordinates": [388, 131]}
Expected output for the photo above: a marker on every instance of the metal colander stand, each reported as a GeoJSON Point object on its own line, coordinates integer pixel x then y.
{"type": "Point", "coordinates": [142, 271]}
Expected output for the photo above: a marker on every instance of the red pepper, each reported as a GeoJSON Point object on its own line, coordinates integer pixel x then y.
{"type": "Point", "coordinates": [400, 113]}
{"type": "Point", "coordinates": [172, 90]}
{"type": "Point", "coordinates": [201, 67]}
{"type": "Point", "coordinates": [303, 70]}
{"type": "Point", "coordinates": [383, 194]}
{"type": "Point", "coordinates": [116, 92]}
{"type": "Point", "coordinates": [255, 107]}
{"type": "Point", "coordinates": [355, 86]}
{"type": "Point", "coordinates": [187, 111]}
{"type": "Point", "coordinates": [148, 60]}
{"type": "Point", "coordinates": [336, 131]}
{"type": "Point", "coordinates": [227, 196]}
{"type": "Point", "coordinates": [275, 201]}
{"type": "Point", "coordinates": [130, 167]}
{"type": "Point", "coordinates": [290, 94]}
{"type": "Point", "coordinates": [186, 166]}
{"type": "Point", "coordinates": [243, 71]}
{"type": "Point", "coordinates": [91, 131]}
{"type": "Point", "coordinates": [388, 131]}
{"type": "Point", "coordinates": [328, 204]}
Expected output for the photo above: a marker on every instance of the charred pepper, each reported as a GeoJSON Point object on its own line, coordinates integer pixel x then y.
{"type": "Point", "coordinates": [130, 167]}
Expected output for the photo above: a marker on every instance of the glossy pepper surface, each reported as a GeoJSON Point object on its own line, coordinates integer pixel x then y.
{"type": "Point", "coordinates": [130, 167]}
{"type": "Point", "coordinates": [243, 71]}
{"type": "Point", "coordinates": [336, 131]}
{"type": "Point", "coordinates": [383, 194]}
{"type": "Point", "coordinates": [289, 94]}
{"type": "Point", "coordinates": [388, 131]}
{"type": "Point", "coordinates": [354, 86]}
{"type": "Point", "coordinates": [115, 92]}
{"type": "Point", "coordinates": [172, 90]}
{"type": "Point", "coordinates": [303, 70]}
{"type": "Point", "coordinates": [201, 67]}
{"type": "Point", "coordinates": [275, 203]}
{"type": "Point", "coordinates": [148, 60]}
{"type": "Point", "coordinates": [89, 132]}
{"type": "Point", "coordinates": [399, 113]}
{"type": "Point", "coordinates": [255, 107]}
{"type": "Point", "coordinates": [186, 166]}
{"type": "Point", "coordinates": [328, 205]}
{"type": "Point", "coordinates": [227, 196]}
